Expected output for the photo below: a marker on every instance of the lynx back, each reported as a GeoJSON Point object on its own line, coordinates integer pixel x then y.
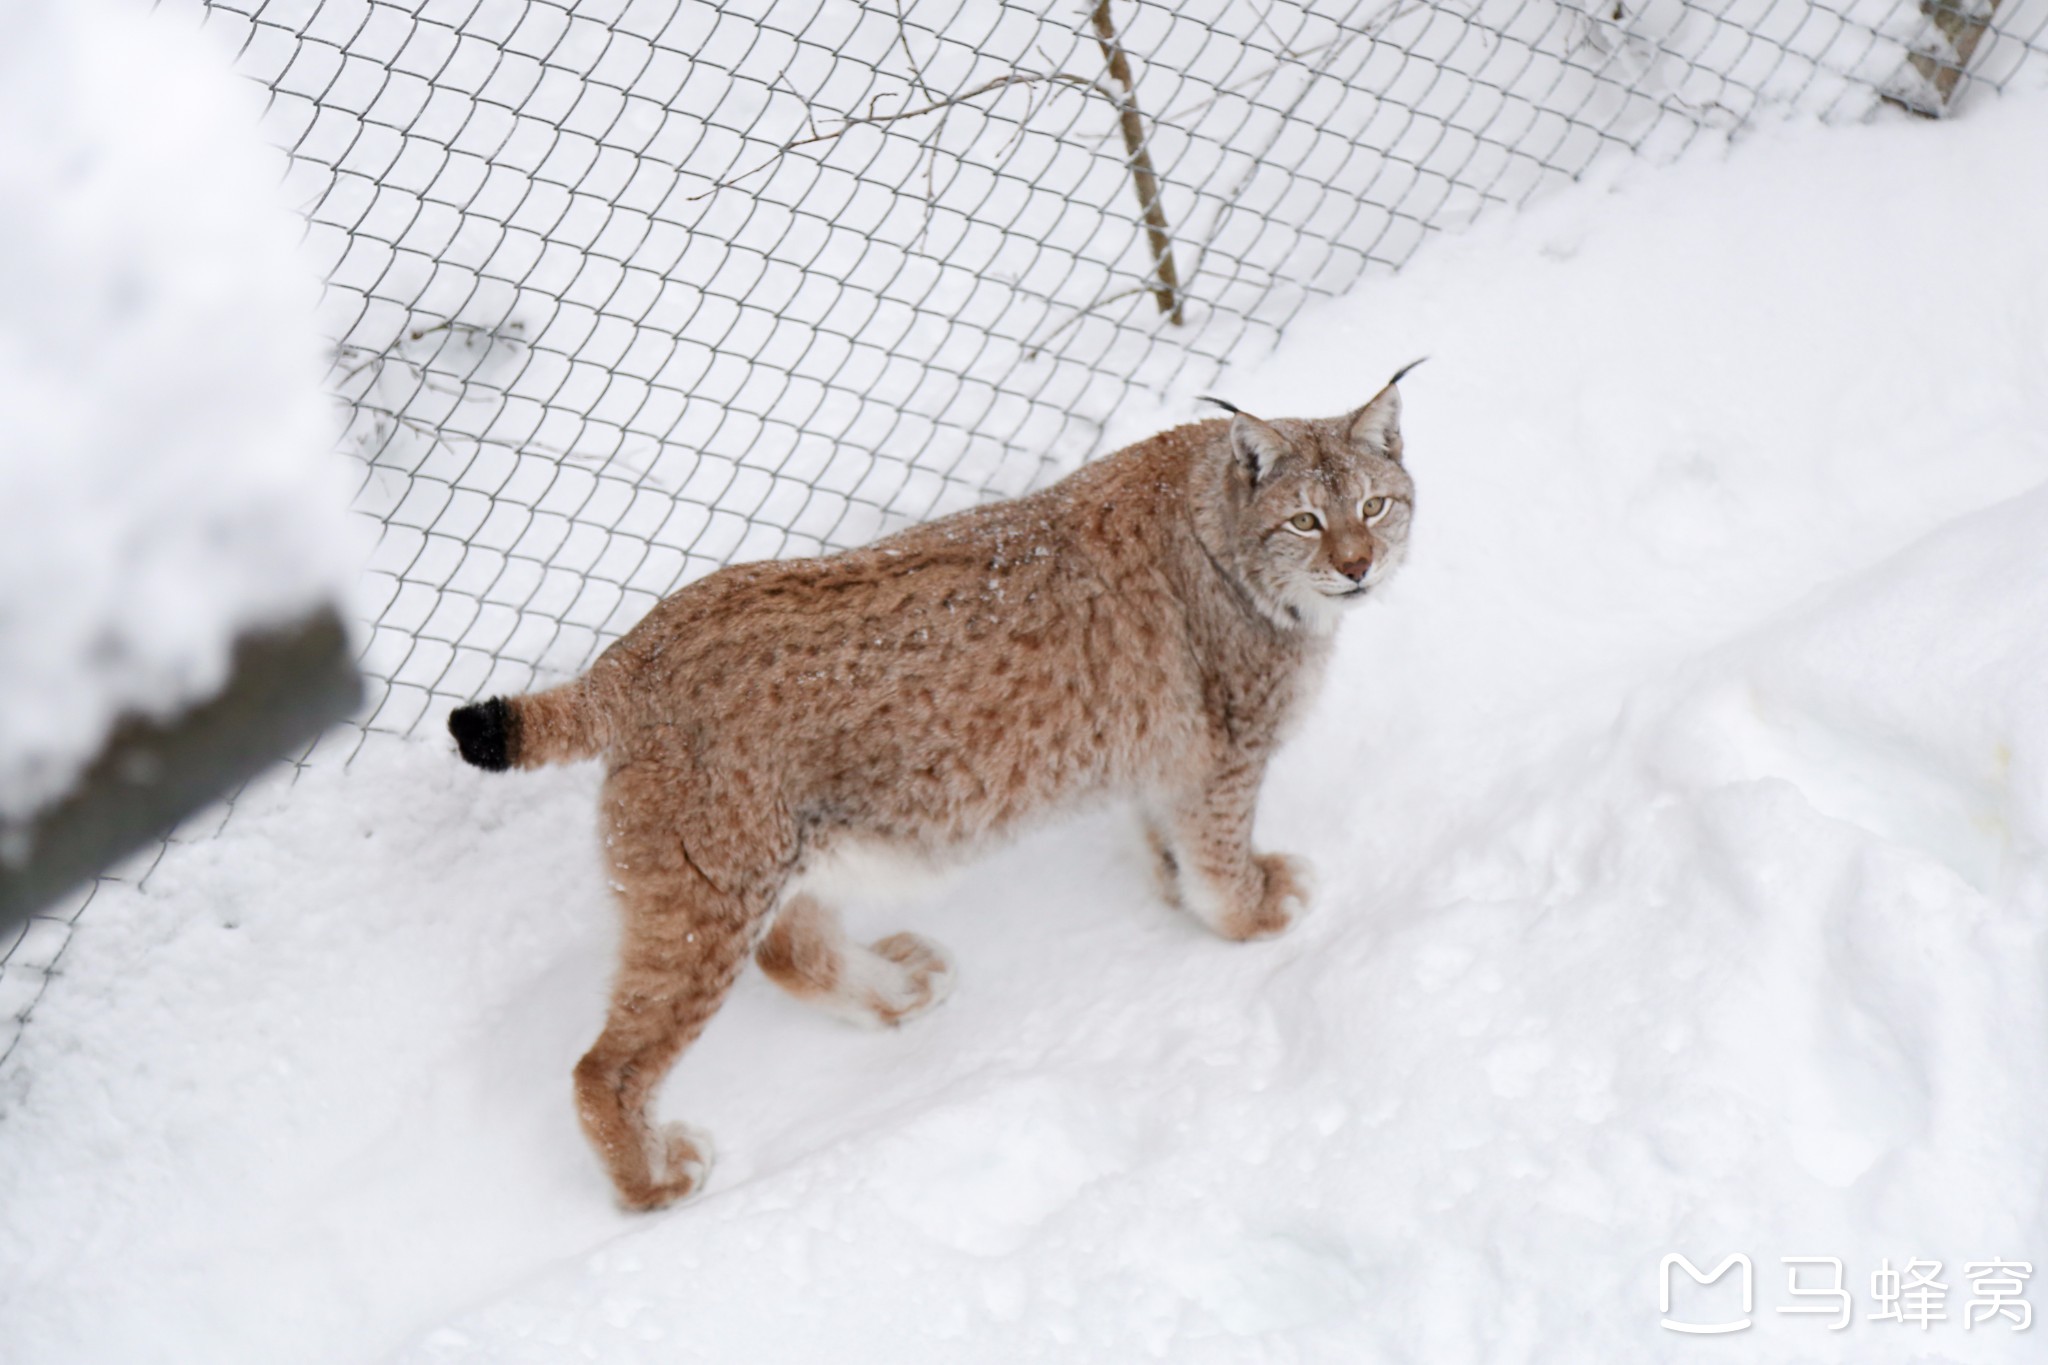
{"type": "Point", "coordinates": [1143, 630]}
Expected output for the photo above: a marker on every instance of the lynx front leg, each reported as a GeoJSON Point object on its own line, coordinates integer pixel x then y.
{"type": "Point", "coordinates": [888, 982]}
{"type": "Point", "coordinates": [1208, 847]}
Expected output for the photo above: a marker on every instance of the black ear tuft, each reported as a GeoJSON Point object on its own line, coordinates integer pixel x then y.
{"type": "Point", "coordinates": [1230, 408]}
{"type": "Point", "coordinates": [483, 733]}
{"type": "Point", "coordinates": [1402, 373]}
{"type": "Point", "coordinates": [1377, 425]}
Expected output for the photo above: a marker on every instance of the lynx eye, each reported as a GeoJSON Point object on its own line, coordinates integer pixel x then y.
{"type": "Point", "coordinates": [1305, 522]}
{"type": "Point", "coordinates": [1373, 507]}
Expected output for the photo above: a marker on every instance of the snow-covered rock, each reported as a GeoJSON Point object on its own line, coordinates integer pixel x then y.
{"type": "Point", "coordinates": [167, 471]}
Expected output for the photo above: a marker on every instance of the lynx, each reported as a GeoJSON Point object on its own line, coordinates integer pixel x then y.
{"type": "Point", "coordinates": [1143, 629]}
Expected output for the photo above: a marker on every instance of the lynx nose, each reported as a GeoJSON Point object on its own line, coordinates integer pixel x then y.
{"type": "Point", "coordinates": [1356, 569]}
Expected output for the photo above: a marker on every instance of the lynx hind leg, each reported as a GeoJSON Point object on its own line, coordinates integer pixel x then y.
{"type": "Point", "coordinates": [671, 981]}
{"type": "Point", "coordinates": [683, 942]}
{"type": "Point", "coordinates": [888, 982]}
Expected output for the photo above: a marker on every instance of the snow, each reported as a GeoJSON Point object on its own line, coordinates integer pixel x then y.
{"type": "Point", "coordinates": [1680, 820]}
{"type": "Point", "coordinates": [167, 478]}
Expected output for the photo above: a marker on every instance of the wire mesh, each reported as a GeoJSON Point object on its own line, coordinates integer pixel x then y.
{"type": "Point", "coordinates": [623, 290]}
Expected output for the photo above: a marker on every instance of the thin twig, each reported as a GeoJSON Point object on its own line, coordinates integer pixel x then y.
{"type": "Point", "coordinates": [903, 37]}
{"type": "Point", "coordinates": [1033, 349]}
{"type": "Point", "coordinates": [1262, 19]}
{"type": "Point", "coordinates": [436, 435]}
{"type": "Point", "coordinates": [1331, 51]}
{"type": "Point", "coordinates": [1032, 108]}
{"type": "Point", "coordinates": [782, 79]}
{"type": "Point", "coordinates": [1144, 178]}
{"type": "Point", "coordinates": [1342, 39]}
{"type": "Point", "coordinates": [472, 335]}
{"type": "Point", "coordinates": [871, 118]}
{"type": "Point", "coordinates": [931, 178]}
{"type": "Point", "coordinates": [931, 152]}
{"type": "Point", "coordinates": [1181, 114]}
{"type": "Point", "coordinates": [370, 358]}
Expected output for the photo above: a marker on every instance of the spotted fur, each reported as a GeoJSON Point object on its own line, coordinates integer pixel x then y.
{"type": "Point", "coordinates": [1143, 629]}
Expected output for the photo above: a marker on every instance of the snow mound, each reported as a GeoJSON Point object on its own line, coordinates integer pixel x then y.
{"type": "Point", "coordinates": [167, 476]}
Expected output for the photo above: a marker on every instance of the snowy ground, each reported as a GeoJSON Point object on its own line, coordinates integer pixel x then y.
{"type": "Point", "coordinates": [1681, 820]}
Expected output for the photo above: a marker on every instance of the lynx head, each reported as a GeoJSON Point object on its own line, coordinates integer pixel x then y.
{"type": "Point", "coordinates": [1309, 515]}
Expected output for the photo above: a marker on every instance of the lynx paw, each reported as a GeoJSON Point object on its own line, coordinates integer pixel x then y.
{"type": "Point", "coordinates": [1289, 886]}
{"type": "Point", "coordinates": [925, 978]}
{"type": "Point", "coordinates": [682, 1164]}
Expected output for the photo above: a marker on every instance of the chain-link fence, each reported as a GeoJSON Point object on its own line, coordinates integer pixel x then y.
{"type": "Point", "coordinates": [622, 290]}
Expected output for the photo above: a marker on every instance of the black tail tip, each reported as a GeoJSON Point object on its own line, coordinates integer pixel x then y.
{"type": "Point", "coordinates": [483, 733]}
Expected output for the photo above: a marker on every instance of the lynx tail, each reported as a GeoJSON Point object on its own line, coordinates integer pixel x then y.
{"type": "Point", "coordinates": [557, 726]}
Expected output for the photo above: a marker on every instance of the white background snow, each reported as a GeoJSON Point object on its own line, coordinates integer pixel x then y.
{"type": "Point", "coordinates": [1679, 818]}
{"type": "Point", "coordinates": [167, 475]}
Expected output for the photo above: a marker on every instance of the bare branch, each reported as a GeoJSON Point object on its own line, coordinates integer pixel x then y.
{"type": "Point", "coordinates": [872, 119]}
{"type": "Point", "coordinates": [903, 37]}
{"type": "Point", "coordinates": [1263, 19]}
{"type": "Point", "coordinates": [1330, 52]}
{"type": "Point", "coordinates": [782, 79]}
{"type": "Point", "coordinates": [1032, 349]}
{"type": "Point", "coordinates": [1123, 94]}
{"type": "Point", "coordinates": [1143, 178]}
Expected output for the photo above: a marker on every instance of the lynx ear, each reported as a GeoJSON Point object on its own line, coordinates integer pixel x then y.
{"type": "Point", "coordinates": [1377, 425]}
{"type": "Point", "coordinates": [1256, 445]}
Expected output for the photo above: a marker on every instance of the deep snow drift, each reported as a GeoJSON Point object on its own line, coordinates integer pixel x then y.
{"type": "Point", "coordinates": [1680, 819]}
{"type": "Point", "coordinates": [168, 478]}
